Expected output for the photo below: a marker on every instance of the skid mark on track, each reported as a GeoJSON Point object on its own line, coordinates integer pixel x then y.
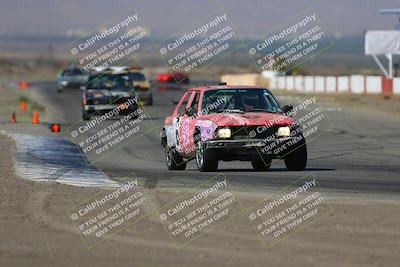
{"type": "Point", "coordinates": [54, 159]}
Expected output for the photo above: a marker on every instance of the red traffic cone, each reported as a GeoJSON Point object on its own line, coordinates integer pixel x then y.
{"type": "Point", "coordinates": [35, 118]}
{"type": "Point", "coordinates": [23, 106]}
{"type": "Point", "coordinates": [55, 128]}
{"type": "Point", "coordinates": [23, 85]}
{"type": "Point", "coordinates": [13, 118]}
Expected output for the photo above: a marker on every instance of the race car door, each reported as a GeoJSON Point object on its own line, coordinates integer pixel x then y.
{"type": "Point", "coordinates": [187, 124]}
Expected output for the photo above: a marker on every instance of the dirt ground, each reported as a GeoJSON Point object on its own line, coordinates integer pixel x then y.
{"type": "Point", "coordinates": [35, 231]}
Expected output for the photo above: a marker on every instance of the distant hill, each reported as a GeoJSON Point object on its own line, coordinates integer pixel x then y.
{"type": "Point", "coordinates": [345, 56]}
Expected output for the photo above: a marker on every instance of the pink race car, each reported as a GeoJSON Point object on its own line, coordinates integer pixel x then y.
{"type": "Point", "coordinates": [232, 123]}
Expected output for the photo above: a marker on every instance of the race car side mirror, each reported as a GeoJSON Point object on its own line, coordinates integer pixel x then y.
{"type": "Point", "coordinates": [287, 108]}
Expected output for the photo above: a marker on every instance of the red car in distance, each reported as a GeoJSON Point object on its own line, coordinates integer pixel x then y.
{"type": "Point", "coordinates": [229, 123]}
{"type": "Point", "coordinates": [178, 76]}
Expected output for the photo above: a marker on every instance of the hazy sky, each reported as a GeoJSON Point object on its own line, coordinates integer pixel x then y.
{"type": "Point", "coordinates": [165, 17]}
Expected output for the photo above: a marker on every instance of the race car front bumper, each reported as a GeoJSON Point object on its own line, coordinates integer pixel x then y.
{"type": "Point", "coordinates": [236, 149]}
{"type": "Point", "coordinates": [108, 107]}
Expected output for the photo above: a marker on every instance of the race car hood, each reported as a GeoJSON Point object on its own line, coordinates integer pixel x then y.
{"type": "Point", "coordinates": [248, 119]}
{"type": "Point", "coordinates": [141, 84]}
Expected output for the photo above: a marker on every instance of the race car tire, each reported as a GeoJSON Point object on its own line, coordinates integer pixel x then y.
{"type": "Point", "coordinates": [206, 159]}
{"type": "Point", "coordinates": [261, 165]}
{"type": "Point", "coordinates": [85, 115]}
{"type": "Point", "coordinates": [297, 160]}
{"type": "Point", "coordinates": [174, 160]}
{"type": "Point", "coordinates": [150, 101]}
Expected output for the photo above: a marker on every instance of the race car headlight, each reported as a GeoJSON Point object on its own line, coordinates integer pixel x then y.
{"type": "Point", "coordinates": [64, 83]}
{"type": "Point", "coordinates": [283, 132]}
{"type": "Point", "coordinates": [224, 133]}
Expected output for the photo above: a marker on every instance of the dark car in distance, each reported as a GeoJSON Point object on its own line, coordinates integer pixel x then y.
{"type": "Point", "coordinates": [106, 91]}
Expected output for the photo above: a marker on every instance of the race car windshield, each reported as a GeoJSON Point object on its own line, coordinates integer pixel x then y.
{"type": "Point", "coordinates": [109, 82]}
{"type": "Point", "coordinates": [72, 72]}
{"type": "Point", "coordinates": [239, 101]}
{"type": "Point", "coordinates": [137, 77]}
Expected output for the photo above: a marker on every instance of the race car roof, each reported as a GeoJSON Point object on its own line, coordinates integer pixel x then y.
{"type": "Point", "coordinates": [219, 87]}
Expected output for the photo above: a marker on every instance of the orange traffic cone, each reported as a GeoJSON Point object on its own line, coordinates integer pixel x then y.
{"type": "Point", "coordinates": [23, 106]}
{"type": "Point", "coordinates": [13, 118]}
{"type": "Point", "coordinates": [35, 118]}
{"type": "Point", "coordinates": [23, 85]}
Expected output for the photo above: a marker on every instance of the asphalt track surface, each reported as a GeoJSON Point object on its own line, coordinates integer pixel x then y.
{"type": "Point", "coordinates": [358, 157]}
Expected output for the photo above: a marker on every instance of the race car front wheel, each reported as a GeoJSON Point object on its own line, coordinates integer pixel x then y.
{"type": "Point", "coordinates": [174, 160]}
{"type": "Point", "coordinates": [297, 160]}
{"type": "Point", "coordinates": [85, 115]}
{"type": "Point", "coordinates": [150, 101]}
{"type": "Point", "coordinates": [205, 158]}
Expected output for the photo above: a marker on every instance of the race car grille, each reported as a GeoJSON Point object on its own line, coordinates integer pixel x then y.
{"type": "Point", "coordinates": [253, 132]}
